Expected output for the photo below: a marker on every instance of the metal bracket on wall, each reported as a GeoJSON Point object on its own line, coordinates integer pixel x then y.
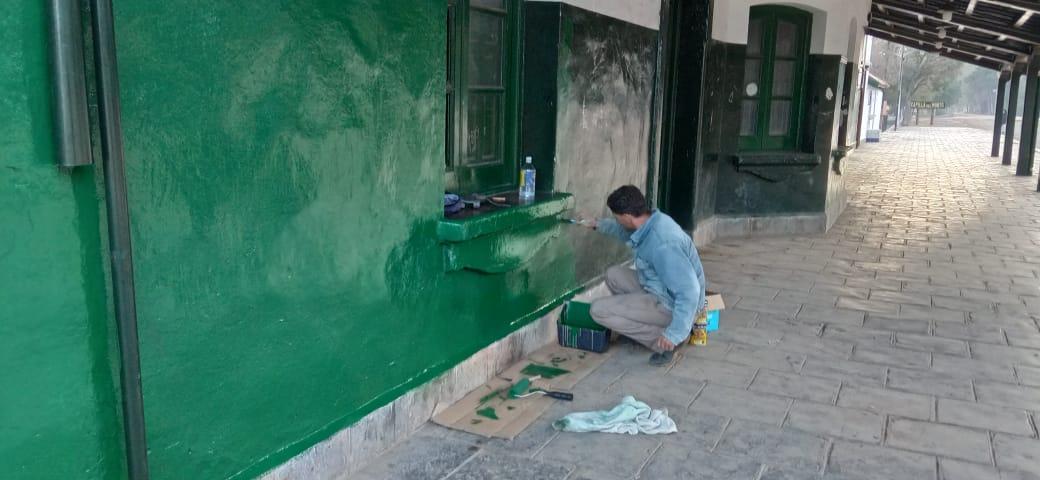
{"type": "Point", "coordinates": [838, 154]}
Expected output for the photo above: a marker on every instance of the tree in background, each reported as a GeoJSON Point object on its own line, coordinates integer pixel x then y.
{"type": "Point", "coordinates": [926, 76]}
{"type": "Point", "coordinates": [978, 90]}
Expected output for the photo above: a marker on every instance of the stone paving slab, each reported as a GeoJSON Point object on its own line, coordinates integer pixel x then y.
{"type": "Point", "coordinates": [836, 422]}
{"type": "Point", "coordinates": [764, 442]}
{"type": "Point", "coordinates": [674, 461]}
{"type": "Point", "coordinates": [880, 463]}
{"type": "Point", "coordinates": [1017, 453]}
{"type": "Point", "coordinates": [892, 356]}
{"type": "Point", "coordinates": [611, 454]}
{"type": "Point", "coordinates": [1004, 394]}
{"type": "Point", "coordinates": [716, 372]}
{"type": "Point", "coordinates": [742, 404]}
{"type": "Point", "coordinates": [821, 390]}
{"type": "Point", "coordinates": [1028, 375]}
{"type": "Point", "coordinates": [928, 343]}
{"type": "Point", "coordinates": [846, 371]}
{"type": "Point", "coordinates": [930, 383]}
{"type": "Point", "coordinates": [985, 417]}
{"type": "Point", "coordinates": [897, 324]}
{"type": "Point", "coordinates": [885, 401]}
{"type": "Point", "coordinates": [903, 344]}
{"type": "Point", "coordinates": [487, 465]}
{"type": "Point", "coordinates": [944, 440]}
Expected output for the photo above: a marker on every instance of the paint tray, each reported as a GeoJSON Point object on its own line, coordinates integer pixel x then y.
{"type": "Point", "coordinates": [576, 329]}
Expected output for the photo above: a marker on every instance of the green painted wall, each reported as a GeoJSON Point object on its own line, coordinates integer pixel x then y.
{"type": "Point", "coordinates": [285, 167]}
{"type": "Point", "coordinates": [59, 404]}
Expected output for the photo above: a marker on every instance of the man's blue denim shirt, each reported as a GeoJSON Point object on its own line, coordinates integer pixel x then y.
{"type": "Point", "coordinates": [668, 267]}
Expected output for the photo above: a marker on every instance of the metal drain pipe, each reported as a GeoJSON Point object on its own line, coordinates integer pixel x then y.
{"type": "Point", "coordinates": [103, 27]}
{"type": "Point", "coordinates": [68, 83]}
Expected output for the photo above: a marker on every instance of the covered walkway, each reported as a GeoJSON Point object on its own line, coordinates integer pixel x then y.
{"type": "Point", "coordinates": [903, 344]}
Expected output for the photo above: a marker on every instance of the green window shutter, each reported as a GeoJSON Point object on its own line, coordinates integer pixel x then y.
{"type": "Point", "coordinates": [482, 133]}
{"type": "Point", "coordinates": [774, 76]}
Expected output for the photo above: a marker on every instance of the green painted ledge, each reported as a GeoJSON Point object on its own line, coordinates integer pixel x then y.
{"type": "Point", "coordinates": [501, 252]}
{"type": "Point", "coordinates": [461, 230]}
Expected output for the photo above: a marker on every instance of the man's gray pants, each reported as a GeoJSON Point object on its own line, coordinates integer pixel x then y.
{"type": "Point", "coordinates": [631, 311]}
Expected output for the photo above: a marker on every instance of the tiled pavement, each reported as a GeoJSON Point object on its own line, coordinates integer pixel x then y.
{"type": "Point", "coordinates": [903, 344]}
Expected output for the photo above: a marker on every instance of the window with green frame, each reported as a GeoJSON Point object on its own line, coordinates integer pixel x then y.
{"type": "Point", "coordinates": [774, 76]}
{"type": "Point", "coordinates": [482, 95]}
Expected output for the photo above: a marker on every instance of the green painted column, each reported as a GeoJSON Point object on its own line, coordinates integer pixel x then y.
{"type": "Point", "coordinates": [998, 115]}
{"type": "Point", "coordinates": [1030, 113]}
{"type": "Point", "coordinates": [1009, 131]}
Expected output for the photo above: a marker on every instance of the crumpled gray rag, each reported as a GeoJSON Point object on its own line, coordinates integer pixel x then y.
{"type": "Point", "coordinates": [630, 416]}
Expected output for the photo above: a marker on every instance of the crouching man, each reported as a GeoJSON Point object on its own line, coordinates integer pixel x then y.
{"type": "Point", "coordinates": [656, 303]}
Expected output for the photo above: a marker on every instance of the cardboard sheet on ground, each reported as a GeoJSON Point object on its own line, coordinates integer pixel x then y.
{"type": "Point", "coordinates": [488, 411]}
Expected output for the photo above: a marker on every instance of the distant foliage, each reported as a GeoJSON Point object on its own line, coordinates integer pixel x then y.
{"type": "Point", "coordinates": [927, 76]}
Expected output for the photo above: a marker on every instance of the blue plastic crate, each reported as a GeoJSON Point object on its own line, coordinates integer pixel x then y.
{"type": "Point", "coordinates": [576, 329]}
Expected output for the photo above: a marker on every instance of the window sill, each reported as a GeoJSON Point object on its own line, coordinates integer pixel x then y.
{"type": "Point", "coordinates": [471, 224]}
{"type": "Point", "coordinates": [504, 239]}
{"type": "Point", "coordinates": [748, 160]}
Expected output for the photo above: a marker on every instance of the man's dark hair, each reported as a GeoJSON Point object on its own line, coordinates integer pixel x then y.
{"type": "Point", "coordinates": [628, 199]}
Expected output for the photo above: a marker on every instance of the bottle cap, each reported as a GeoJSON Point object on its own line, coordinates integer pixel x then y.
{"type": "Point", "coordinates": [527, 159]}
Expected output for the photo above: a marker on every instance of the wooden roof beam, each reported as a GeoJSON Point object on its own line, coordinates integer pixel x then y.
{"type": "Point", "coordinates": [968, 21]}
{"type": "Point", "coordinates": [1024, 18]}
{"type": "Point", "coordinates": [939, 44]}
{"type": "Point", "coordinates": [959, 36]}
{"type": "Point", "coordinates": [1023, 5]}
{"type": "Point", "coordinates": [914, 44]}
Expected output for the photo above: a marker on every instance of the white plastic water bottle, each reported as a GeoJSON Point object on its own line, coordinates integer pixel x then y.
{"type": "Point", "coordinates": [527, 174]}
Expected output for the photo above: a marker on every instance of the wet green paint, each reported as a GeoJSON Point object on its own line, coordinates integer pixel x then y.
{"type": "Point", "coordinates": [504, 251]}
{"type": "Point", "coordinates": [285, 167]}
{"type": "Point", "coordinates": [577, 315]}
{"type": "Point", "coordinates": [490, 396]}
{"type": "Point", "coordinates": [59, 403]}
{"type": "Point", "coordinates": [285, 173]}
{"type": "Point", "coordinates": [544, 371]}
{"type": "Point", "coordinates": [488, 412]}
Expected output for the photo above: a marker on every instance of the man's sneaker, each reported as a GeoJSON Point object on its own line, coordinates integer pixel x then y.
{"type": "Point", "coordinates": [661, 359]}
